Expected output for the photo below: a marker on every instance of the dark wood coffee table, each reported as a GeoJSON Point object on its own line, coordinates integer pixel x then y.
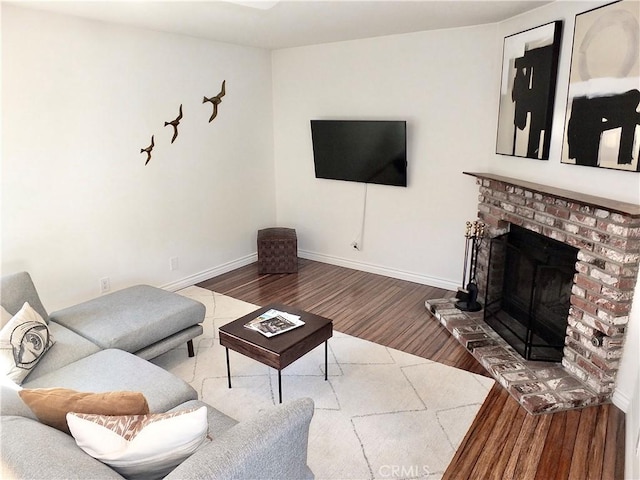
{"type": "Point", "coordinates": [281, 350]}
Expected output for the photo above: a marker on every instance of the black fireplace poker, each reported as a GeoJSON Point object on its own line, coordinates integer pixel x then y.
{"type": "Point", "coordinates": [468, 293]}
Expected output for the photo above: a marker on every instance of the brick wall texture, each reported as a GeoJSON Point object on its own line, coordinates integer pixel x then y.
{"type": "Point", "coordinates": [605, 277]}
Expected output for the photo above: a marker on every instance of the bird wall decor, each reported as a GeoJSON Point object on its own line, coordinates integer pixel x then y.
{"type": "Point", "coordinates": [148, 150]}
{"type": "Point", "coordinates": [174, 124]}
{"type": "Point", "coordinates": [215, 101]}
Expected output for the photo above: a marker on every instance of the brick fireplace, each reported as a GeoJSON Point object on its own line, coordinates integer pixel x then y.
{"type": "Point", "coordinates": [607, 236]}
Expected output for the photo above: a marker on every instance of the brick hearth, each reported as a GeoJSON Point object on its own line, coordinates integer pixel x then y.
{"type": "Point", "coordinates": [607, 234]}
{"type": "Point", "coordinates": [540, 387]}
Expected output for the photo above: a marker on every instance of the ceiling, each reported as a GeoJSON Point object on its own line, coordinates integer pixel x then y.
{"type": "Point", "coordinates": [290, 23]}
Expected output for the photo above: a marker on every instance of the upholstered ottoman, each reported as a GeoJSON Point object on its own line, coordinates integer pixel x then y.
{"type": "Point", "coordinates": [277, 250]}
{"type": "Point", "coordinates": [143, 320]}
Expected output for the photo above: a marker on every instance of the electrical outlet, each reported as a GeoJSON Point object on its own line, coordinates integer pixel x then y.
{"type": "Point", "coordinates": [105, 285]}
{"type": "Point", "coordinates": [173, 263]}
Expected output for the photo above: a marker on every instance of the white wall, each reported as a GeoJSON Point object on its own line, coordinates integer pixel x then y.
{"type": "Point", "coordinates": [79, 101]}
{"type": "Point", "coordinates": [442, 83]}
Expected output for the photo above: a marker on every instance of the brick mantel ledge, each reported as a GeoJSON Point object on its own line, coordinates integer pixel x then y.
{"type": "Point", "coordinates": [616, 206]}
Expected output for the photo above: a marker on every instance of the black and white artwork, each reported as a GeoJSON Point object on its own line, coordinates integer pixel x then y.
{"type": "Point", "coordinates": [603, 116]}
{"type": "Point", "coordinates": [527, 91]}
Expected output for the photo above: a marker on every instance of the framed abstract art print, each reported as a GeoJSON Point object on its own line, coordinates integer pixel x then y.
{"type": "Point", "coordinates": [602, 126]}
{"type": "Point", "coordinates": [527, 91]}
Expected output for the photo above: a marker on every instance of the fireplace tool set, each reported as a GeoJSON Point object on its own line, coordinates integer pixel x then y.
{"type": "Point", "coordinates": [468, 293]}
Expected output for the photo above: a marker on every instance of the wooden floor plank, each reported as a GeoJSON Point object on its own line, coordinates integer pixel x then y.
{"type": "Point", "coordinates": [465, 461]}
{"type": "Point", "coordinates": [595, 461]}
{"type": "Point", "coordinates": [584, 435]}
{"type": "Point", "coordinates": [503, 442]}
{"type": "Point", "coordinates": [614, 445]}
{"type": "Point", "coordinates": [504, 436]}
{"type": "Point", "coordinates": [501, 436]}
{"type": "Point", "coordinates": [529, 458]}
{"type": "Point", "coordinates": [556, 457]}
{"type": "Point", "coordinates": [524, 441]}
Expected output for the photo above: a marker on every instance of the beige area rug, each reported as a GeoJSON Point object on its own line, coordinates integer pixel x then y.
{"type": "Point", "coordinates": [382, 413]}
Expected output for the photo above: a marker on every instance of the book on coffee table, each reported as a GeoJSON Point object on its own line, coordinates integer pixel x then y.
{"type": "Point", "coordinates": [274, 322]}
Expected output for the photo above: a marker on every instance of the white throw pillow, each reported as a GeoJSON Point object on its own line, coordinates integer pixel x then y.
{"type": "Point", "coordinates": [23, 342]}
{"type": "Point", "coordinates": [140, 446]}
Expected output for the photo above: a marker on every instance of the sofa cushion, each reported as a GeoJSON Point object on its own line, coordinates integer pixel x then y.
{"type": "Point", "coordinates": [69, 347]}
{"type": "Point", "coordinates": [10, 401]}
{"type": "Point", "coordinates": [33, 450]}
{"type": "Point", "coordinates": [4, 316]}
{"type": "Point", "coordinates": [218, 421]}
{"type": "Point", "coordinates": [111, 369]}
{"type": "Point", "coordinates": [140, 446]}
{"type": "Point", "coordinates": [51, 405]}
{"type": "Point", "coordinates": [24, 341]}
{"type": "Point", "coordinates": [132, 318]}
{"type": "Point", "coordinates": [18, 288]}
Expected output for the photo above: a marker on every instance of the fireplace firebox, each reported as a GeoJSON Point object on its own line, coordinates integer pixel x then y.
{"type": "Point", "coordinates": [531, 311]}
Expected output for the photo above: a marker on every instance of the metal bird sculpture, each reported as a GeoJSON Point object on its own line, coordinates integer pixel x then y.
{"type": "Point", "coordinates": [174, 124]}
{"type": "Point", "coordinates": [215, 101]}
{"type": "Point", "coordinates": [148, 150]}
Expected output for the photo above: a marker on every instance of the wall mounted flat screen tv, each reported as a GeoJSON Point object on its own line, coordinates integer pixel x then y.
{"type": "Point", "coordinates": [368, 151]}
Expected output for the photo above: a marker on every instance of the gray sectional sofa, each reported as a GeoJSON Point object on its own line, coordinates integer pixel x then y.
{"type": "Point", "coordinates": [95, 351]}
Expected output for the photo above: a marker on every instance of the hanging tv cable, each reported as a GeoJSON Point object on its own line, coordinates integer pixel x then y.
{"type": "Point", "coordinates": [357, 243]}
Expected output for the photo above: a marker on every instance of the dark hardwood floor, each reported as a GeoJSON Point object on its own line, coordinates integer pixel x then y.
{"type": "Point", "coordinates": [504, 441]}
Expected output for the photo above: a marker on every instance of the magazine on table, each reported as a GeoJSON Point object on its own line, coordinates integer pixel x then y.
{"type": "Point", "coordinates": [274, 322]}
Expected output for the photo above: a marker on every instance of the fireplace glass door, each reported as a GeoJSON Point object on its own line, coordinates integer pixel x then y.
{"type": "Point", "coordinates": [532, 308]}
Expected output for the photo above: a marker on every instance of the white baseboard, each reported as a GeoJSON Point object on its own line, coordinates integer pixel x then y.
{"type": "Point", "coordinates": [621, 400]}
{"type": "Point", "coordinates": [387, 272]}
{"type": "Point", "coordinates": [319, 257]}
{"type": "Point", "coordinates": [210, 273]}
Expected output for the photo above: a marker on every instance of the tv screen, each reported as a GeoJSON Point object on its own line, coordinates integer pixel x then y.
{"type": "Point", "coordinates": [368, 151]}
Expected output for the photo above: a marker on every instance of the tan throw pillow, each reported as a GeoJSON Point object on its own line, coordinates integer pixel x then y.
{"type": "Point", "coordinates": [24, 340]}
{"type": "Point", "coordinates": [51, 405]}
{"type": "Point", "coordinates": [141, 446]}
